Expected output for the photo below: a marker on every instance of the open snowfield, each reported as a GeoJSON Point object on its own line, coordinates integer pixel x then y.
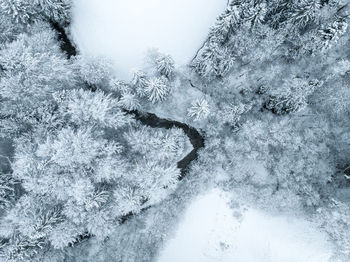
{"type": "Point", "coordinates": [123, 31]}
{"type": "Point", "coordinates": [210, 232]}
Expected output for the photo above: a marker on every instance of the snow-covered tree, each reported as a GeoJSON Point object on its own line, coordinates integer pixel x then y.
{"type": "Point", "coordinates": [255, 15]}
{"type": "Point", "coordinates": [93, 70]}
{"type": "Point", "coordinates": [129, 101]}
{"type": "Point", "coordinates": [226, 23]}
{"type": "Point", "coordinates": [9, 30]}
{"type": "Point", "coordinates": [304, 12]}
{"type": "Point", "coordinates": [22, 11]}
{"type": "Point", "coordinates": [331, 34]}
{"type": "Point", "coordinates": [55, 10]}
{"type": "Point", "coordinates": [62, 234]}
{"type": "Point", "coordinates": [140, 81]}
{"type": "Point", "coordinates": [26, 226]}
{"type": "Point", "coordinates": [214, 60]}
{"type": "Point", "coordinates": [231, 114]}
{"type": "Point", "coordinates": [162, 64]}
{"type": "Point", "coordinates": [33, 69]}
{"type": "Point", "coordinates": [199, 110]}
{"type": "Point", "coordinates": [118, 87]}
{"type": "Point", "coordinates": [7, 190]}
{"type": "Point", "coordinates": [157, 89]}
{"type": "Point", "coordinates": [157, 144]}
{"type": "Point", "coordinates": [85, 107]}
{"type": "Point", "coordinates": [165, 66]}
{"type": "Point", "coordinates": [292, 96]}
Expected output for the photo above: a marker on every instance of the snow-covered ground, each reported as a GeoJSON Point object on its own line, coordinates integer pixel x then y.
{"type": "Point", "coordinates": [213, 232]}
{"type": "Point", "coordinates": [124, 30]}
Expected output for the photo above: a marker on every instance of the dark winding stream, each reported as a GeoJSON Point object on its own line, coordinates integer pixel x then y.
{"type": "Point", "coordinates": [149, 119]}
{"type": "Point", "coordinates": [195, 137]}
{"type": "Point", "coordinates": [145, 118]}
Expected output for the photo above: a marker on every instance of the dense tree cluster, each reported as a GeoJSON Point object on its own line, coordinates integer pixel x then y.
{"type": "Point", "coordinates": [81, 163]}
{"type": "Point", "coordinates": [24, 12]}
{"type": "Point", "coordinates": [249, 29]}
{"type": "Point", "coordinates": [277, 71]}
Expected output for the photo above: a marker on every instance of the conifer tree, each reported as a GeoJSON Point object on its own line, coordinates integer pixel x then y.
{"type": "Point", "coordinates": [165, 66]}
{"type": "Point", "coordinates": [199, 110]}
{"type": "Point", "coordinates": [157, 89]}
{"type": "Point", "coordinates": [292, 96]}
{"type": "Point", "coordinates": [304, 12]}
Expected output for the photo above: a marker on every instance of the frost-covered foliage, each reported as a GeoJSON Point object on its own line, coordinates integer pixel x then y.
{"type": "Point", "coordinates": [331, 34]}
{"type": "Point", "coordinates": [153, 85]}
{"type": "Point", "coordinates": [157, 144]}
{"type": "Point", "coordinates": [291, 97]}
{"type": "Point", "coordinates": [9, 30]}
{"type": "Point", "coordinates": [33, 68]}
{"type": "Point", "coordinates": [81, 174]}
{"type": "Point", "coordinates": [157, 89]}
{"type": "Point", "coordinates": [231, 114]}
{"type": "Point", "coordinates": [84, 107]}
{"type": "Point", "coordinates": [7, 190]}
{"type": "Point", "coordinates": [93, 70]}
{"type": "Point", "coordinates": [73, 173]}
{"type": "Point", "coordinates": [140, 81]}
{"type": "Point", "coordinates": [199, 110]}
{"type": "Point", "coordinates": [129, 101]}
{"type": "Point", "coordinates": [163, 64]}
{"type": "Point", "coordinates": [250, 27]}
{"type": "Point", "coordinates": [22, 11]}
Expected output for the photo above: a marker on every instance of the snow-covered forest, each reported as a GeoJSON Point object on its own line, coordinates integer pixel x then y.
{"type": "Point", "coordinates": [201, 131]}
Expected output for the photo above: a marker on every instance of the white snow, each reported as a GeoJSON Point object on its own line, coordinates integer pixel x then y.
{"type": "Point", "coordinates": [123, 30]}
{"type": "Point", "coordinates": [210, 232]}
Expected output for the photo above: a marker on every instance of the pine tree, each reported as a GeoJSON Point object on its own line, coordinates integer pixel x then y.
{"type": "Point", "coordinates": [140, 81]}
{"type": "Point", "coordinates": [26, 226]}
{"type": "Point", "coordinates": [20, 11]}
{"type": "Point", "coordinates": [9, 30]}
{"type": "Point", "coordinates": [165, 66]}
{"type": "Point", "coordinates": [93, 70]}
{"type": "Point", "coordinates": [157, 89]}
{"type": "Point", "coordinates": [255, 15]}
{"type": "Point", "coordinates": [118, 87]}
{"type": "Point", "coordinates": [231, 114]}
{"type": "Point", "coordinates": [55, 10]}
{"type": "Point", "coordinates": [226, 24]}
{"type": "Point", "coordinates": [214, 61]}
{"type": "Point", "coordinates": [129, 101]}
{"type": "Point", "coordinates": [304, 12]}
{"type": "Point", "coordinates": [199, 110]}
{"type": "Point", "coordinates": [63, 234]}
{"type": "Point", "coordinates": [292, 96]}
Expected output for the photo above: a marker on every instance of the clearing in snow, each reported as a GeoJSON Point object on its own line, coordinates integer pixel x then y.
{"type": "Point", "coordinates": [213, 232]}
{"type": "Point", "coordinates": [124, 31]}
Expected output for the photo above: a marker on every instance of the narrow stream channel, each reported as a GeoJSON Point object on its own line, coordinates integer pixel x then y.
{"type": "Point", "coordinates": [149, 119]}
